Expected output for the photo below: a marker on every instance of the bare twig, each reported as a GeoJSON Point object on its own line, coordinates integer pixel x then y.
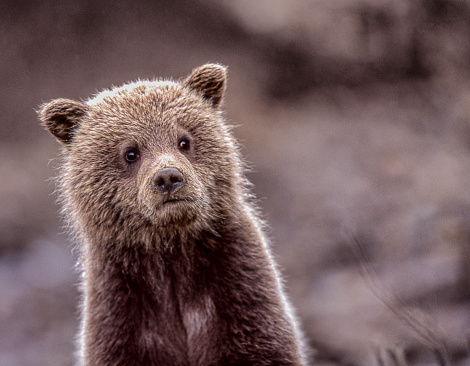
{"type": "Point", "coordinates": [428, 335]}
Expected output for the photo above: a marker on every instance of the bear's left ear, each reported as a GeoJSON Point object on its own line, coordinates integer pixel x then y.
{"type": "Point", "coordinates": [62, 117]}
{"type": "Point", "coordinates": [209, 81]}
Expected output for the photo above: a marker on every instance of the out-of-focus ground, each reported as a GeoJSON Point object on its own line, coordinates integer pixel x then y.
{"type": "Point", "coordinates": [355, 116]}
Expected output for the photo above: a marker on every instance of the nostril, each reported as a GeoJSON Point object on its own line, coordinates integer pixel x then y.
{"type": "Point", "coordinates": [168, 179]}
{"type": "Point", "coordinates": [160, 182]}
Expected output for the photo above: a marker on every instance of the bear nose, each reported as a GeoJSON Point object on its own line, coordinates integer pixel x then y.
{"type": "Point", "coordinates": [168, 179]}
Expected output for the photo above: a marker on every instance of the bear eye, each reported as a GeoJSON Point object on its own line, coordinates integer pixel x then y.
{"type": "Point", "coordinates": [131, 155]}
{"type": "Point", "coordinates": [184, 144]}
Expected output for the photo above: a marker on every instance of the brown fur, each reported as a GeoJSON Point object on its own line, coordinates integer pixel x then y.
{"type": "Point", "coordinates": [180, 277]}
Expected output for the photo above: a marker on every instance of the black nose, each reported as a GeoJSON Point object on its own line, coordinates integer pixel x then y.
{"type": "Point", "coordinates": [168, 179]}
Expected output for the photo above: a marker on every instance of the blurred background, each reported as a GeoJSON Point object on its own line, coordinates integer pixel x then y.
{"type": "Point", "coordinates": [354, 116]}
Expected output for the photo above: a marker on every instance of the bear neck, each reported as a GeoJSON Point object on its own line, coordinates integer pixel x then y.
{"type": "Point", "coordinates": [149, 259]}
{"type": "Point", "coordinates": [130, 293]}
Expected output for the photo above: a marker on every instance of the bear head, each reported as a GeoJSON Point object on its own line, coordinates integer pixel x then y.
{"type": "Point", "coordinates": [147, 154]}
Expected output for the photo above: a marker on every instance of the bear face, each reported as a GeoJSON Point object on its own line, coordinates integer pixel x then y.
{"type": "Point", "coordinates": [154, 153]}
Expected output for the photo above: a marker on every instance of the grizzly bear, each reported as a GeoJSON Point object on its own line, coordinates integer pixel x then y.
{"type": "Point", "coordinates": [176, 267]}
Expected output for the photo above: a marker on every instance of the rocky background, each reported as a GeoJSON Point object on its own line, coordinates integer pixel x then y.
{"type": "Point", "coordinates": [354, 116]}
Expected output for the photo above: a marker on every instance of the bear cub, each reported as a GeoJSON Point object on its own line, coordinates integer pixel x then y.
{"type": "Point", "coordinates": [176, 268]}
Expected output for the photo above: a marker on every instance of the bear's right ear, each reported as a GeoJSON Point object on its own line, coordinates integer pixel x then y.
{"type": "Point", "coordinates": [209, 81]}
{"type": "Point", "coordinates": [62, 117]}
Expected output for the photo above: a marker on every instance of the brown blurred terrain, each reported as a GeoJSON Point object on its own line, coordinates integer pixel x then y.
{"type": "Point", "coordinates": [355, 116]}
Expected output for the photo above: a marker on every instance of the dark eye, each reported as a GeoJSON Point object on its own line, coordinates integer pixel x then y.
{"type": "Point", "coordinates": [184, 144]}
{"type": "Point", "coordinates": [131, 155]}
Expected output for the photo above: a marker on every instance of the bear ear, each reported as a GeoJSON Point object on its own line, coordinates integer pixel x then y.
{"type": "Point", "coordinates": [62, 117]}
{"type": "Point", "coordinates": [209, 81]}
